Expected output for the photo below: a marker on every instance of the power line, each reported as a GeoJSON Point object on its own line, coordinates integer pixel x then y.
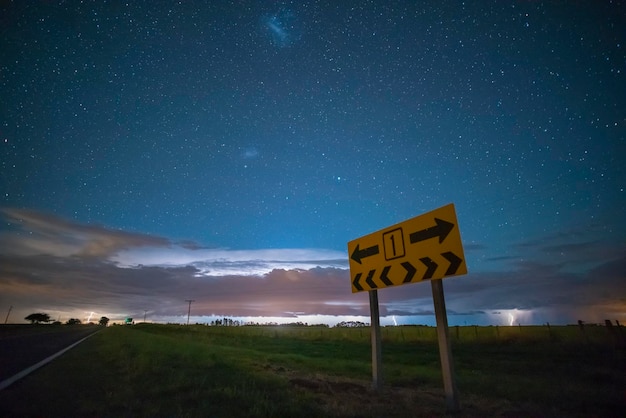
{"type": "Point", "coordinates": [8, 313]}
{"type": "Point", "coordinates": [189, 310]}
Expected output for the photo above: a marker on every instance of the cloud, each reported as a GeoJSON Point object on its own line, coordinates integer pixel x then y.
{"type": "Point", "coordinates": [37, 233]}
{"type": "Point", "coordinates": [65, 268]}
{"type": "Point", "coordinates": [571, 248]}
{"type": "Point", "coordinates": [548, 291]}
{"type": "Point", "coordinates": [51, 263]}
{"type": "Point", "coordinates": [71, 283]}
{"type": "Point", "coordinates": [42, 233]}
{"type": "Point", "coordinates": [222, 261]}
{"type": "Point", "coordinates": [473, 246]}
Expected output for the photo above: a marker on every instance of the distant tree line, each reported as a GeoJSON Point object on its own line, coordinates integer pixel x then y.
{"type": "Point", "coordinates": [40, 317]}
{"type": "Point", "coordinates": [226, 322]}
{"type": "Point", "coordinates": [351, 324]}
{"type": "Point", "coordinates": [229, 322]}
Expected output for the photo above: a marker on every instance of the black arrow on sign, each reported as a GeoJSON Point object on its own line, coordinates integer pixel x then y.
{"type": "Point", "coordinates": [410, 272]}
{"type": "Point", "coordinates": [358, 254]}
{"type": "Point", "coordinates": [431, 267]}
{"type": "Point", "coordinates": [356, 283]}
{"type": "Point", "coordinates": [441, 230]}
{"type": "Point", "coordinates": [384, 278]}
{"type": "Point", "coordinates": [369, 280]}
{"type": "Point", "coordinates": [454, 260]}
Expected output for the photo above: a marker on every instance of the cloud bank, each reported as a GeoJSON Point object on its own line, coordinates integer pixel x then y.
{"type": "Point", "coordinates": [70, 269]}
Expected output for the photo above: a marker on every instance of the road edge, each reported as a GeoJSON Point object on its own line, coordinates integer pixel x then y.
{"type": "Point", "coordinates": [8, 382]}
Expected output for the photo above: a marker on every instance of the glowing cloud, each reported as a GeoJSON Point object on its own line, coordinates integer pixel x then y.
{"type": "Point", "coordinates": [225, 262]}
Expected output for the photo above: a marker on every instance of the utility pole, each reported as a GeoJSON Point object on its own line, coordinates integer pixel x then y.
{"type": "Point", "coordinates": [189, 310]}
{"type": "Point", "coordinates": [8, 313]}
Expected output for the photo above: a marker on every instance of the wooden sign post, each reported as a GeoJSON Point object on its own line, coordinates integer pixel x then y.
{"type": "Point", "coordinates": [445, 351]}
{"type": "Point", "coordinates": [377, 361]}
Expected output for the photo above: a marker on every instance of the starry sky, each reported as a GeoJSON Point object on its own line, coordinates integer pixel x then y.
{"type": "Point", "coordinates": [225, 152]}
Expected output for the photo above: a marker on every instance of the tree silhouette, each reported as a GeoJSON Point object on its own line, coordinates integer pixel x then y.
{"type": "Point", "coordinates": [36, 318]}
{"type": "Point", "coordinates": [73, 321]}
{"type": "Point", "coordinates": [104, 321]}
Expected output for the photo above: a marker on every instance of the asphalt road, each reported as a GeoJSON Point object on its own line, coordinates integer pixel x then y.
{"type": "Point", "coordinates": [25, 345]}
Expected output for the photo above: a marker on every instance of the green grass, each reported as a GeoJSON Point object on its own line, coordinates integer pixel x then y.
{"type": "Point", "coordinates": [197, 371]}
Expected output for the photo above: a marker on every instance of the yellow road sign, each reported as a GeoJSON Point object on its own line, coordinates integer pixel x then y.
{"type": "Point", "coordinates": [421, 248]}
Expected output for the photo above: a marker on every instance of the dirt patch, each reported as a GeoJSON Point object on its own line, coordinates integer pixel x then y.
{"type": "Point", "coordinates": [328, 387]}
{"type": "Point", "coordinates": [342, 397]}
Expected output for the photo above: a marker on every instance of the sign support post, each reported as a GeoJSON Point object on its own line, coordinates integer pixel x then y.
{"type": "Point", "coordinates": [377, 380]}
{"type": "Point", "coordinates": [445, 351]}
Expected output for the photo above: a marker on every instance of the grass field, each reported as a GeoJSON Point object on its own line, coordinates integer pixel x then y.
{"type": "Point", "coordinates": [198, 371]}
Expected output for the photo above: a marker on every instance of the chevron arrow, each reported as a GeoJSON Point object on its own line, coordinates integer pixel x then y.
{"type": "Point", "coordinates": [370, 279]}
{"type": "Point", "coordinates": [356, 283]}
{"type": "Point", "coordinates": [441, 230]}
{"type": "Point", "coordinates": [384, 278]}
{"type": "Point", "coordinates": [431, 267]}
{"type": "Point", "coordinates": [410, 272]}
{"type": "Point", "coordinates": [454, 260]}
{"type": "Point", "coordinates": [358, 254]}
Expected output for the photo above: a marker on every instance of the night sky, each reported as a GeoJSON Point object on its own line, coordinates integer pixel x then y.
{"type": "Point", "coordinates": [226, 152]}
